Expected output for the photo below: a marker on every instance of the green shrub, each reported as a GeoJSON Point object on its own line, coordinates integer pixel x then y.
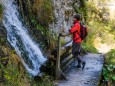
{"type": "Point", "coordinates": [110, 57]}
{"type": "Point", "coordinates": [109, 73]}
{"type": "Point", "coordinates": [109, 67]}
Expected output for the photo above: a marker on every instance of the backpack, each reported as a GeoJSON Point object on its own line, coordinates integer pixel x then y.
{"type": "Point", "coordinates": [83, 32]}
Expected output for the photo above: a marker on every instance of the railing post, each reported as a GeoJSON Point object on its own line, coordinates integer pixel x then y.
{"type": "Point", "coordinates": [58, 73]}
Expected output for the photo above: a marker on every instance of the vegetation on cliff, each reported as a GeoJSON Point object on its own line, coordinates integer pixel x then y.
{"type": "Point", "coordinates": [38, 15]}
{"type": "Point", "coordinates": [1, 12]}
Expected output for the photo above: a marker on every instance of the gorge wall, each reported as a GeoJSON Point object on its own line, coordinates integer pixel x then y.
{"type": "Point", "coordinates": [48, 18]}
{"type": "Point", "coordinates": [45, 19]}
{"type": "Point", "coordinates": [42, 20]}
{"type": "Point", "coordinates": [63, 12]}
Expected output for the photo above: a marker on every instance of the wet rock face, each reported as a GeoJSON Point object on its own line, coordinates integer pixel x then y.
{"type": "Point", "coordinates": [2, 29]}
{"type": "Point", "coordinates": [3, 38]}
{"type": "Point", "coordinates": [3, 34]}
{"type": "Point", "coordinates": [3, 57]}
{"type": "Point", "coordinates": [63, 15]}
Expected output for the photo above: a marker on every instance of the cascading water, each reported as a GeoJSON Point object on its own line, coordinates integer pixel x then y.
{"type": "Point", "coordinates": [19, 38]}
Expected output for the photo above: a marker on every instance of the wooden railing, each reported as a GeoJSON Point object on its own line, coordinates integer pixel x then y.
{"type": "Point", "coordinates": [64, 58]}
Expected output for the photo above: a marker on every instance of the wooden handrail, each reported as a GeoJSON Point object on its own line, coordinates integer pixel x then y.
{"type": "Point", "coordinates": [59, 60]}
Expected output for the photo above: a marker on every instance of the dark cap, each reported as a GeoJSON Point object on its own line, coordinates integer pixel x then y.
{"type": "Point", "coordinates": [77, 16]}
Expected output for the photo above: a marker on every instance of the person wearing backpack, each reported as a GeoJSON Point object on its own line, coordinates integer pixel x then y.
{"type": "Point", "coordinates": [77, 33]}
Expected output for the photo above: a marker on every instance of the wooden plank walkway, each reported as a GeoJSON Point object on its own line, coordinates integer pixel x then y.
{"type": "Point", "coordinates": [91, 74]}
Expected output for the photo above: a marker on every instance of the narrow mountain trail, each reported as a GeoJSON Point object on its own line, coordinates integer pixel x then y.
{"type": "Point", "coordinates": [92, 72]}
{"type": "Point", "coordinates": [89, 76]}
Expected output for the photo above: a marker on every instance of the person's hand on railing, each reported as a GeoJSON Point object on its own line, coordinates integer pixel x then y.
{"type": "Point", "coordinates": [60, 34]}
{"type": "Point", "coordinates": [63, 35]}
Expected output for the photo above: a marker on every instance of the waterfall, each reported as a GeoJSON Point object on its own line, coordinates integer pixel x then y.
{"type": "Point", "coordinates": [18, 36]}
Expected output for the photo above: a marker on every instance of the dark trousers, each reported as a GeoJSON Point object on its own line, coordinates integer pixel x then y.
{"type": "Point", "coordinates": [76, 50]}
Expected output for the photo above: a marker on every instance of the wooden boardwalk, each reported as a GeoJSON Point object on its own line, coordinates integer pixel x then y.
{"type": "Point", "coordinates": [91, 74]}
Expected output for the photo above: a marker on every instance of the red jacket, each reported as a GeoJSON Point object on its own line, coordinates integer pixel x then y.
{"type": "Point", "coordinates": [75, 30]}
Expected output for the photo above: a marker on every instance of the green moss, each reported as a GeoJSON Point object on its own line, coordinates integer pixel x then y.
{"type": "Point", "coordinates": [44, 11]}
{"type": "Point", "coordinates": [14, 72]}
{"type": "Point", "coordinates": [11, 69]}
{"type": "Point", "coordinates": [1, 11]}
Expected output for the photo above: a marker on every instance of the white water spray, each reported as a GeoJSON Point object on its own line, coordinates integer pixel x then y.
{"type": "Point", "coordinates": [19, 38]}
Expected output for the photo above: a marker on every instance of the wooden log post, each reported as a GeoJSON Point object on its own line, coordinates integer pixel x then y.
{"type": "Point", "coordinates": [58, 59]}
{"type": "Point", "coordinates": [59, 73]}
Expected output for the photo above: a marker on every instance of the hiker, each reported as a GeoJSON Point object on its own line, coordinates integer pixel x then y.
{"type": "Point", "coordinates": [77, 40]}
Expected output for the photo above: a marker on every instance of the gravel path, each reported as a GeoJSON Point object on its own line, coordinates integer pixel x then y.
{"type": "Point", "coordinates": [90, 76]}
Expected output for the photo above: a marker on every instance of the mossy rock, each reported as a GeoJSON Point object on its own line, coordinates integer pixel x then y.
{"type": "Point", "coordinates": [2, 41]}
{"type": "Point", "coordinates": [1, 11]}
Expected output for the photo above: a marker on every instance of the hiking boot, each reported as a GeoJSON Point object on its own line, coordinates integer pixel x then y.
{"type": "Point", "coordinates": [83, 65]}
{"type": "Point", "coordinates": [74, 63]}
